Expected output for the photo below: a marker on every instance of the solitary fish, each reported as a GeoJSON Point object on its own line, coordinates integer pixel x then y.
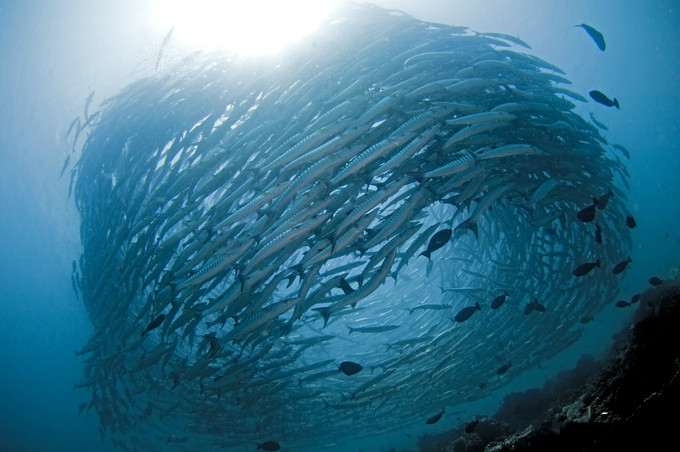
{"type": "Point", "coordinates": [622, 304]}
{"type": "Point", "coordinates": [349, 368]}
{"type": "Point", "coordinates": [588, 214]}
{"type": "Point", "coordinates": [437, 241]}
{"type": "Point", "coordinates": [155, 323]}
{"type": "Point", "coordinates": [498, 301]}
{"type": "Point", "coordinates": [596, 35]}
{"type": "Point", "coordinates": [467, 312]}
{"type": "Point", "coordinates": [584, 269]}
{"type": "Point", "coordinates": [269, 446]}
{"type": "Point", "coordinates": [600, 97]}
{"type": "Point", "coordinates": [504, 368]}
{"type": "Point", "coordinates": [635, 298]}
{"type": "Point", "coordinates": [602, 201]}
{"type": "Point", "coordinates": [654, 281]}
{"type": "Point", "coordinates": [621, 266]}
{"type": "Point", "coordinates": [630, 221]}
{"type": "Point", "coordinates": [533, 306]}
{"type": "Point", "coordinates": [435, 418]}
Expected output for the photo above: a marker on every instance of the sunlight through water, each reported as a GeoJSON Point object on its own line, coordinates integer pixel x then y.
{"type": "Point", "coordinates": [246, 27]}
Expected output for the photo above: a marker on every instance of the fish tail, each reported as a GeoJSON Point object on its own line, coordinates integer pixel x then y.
{"type": "Point", "coordinates": [351, 330]}
{"type": "Point", "coordinates": [426, 253]}
{"type": "Point", "coordinates": [616, 103]}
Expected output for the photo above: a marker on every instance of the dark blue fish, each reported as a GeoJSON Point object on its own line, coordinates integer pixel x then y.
{"type": "Point", "coordinates": [596, 35]}
{"type": "Point", "coordinates": [630, 221]}
{"type": "Point", "coordinates": [601, 98]}
{"type": "Point", "coordinates": [588, 214]}
{"type": "Point", "coordinates": [498, 301]}
{"type": "Point", "coordinates": [621, 266]}
{"type": "Point", "coordinates": [598, 234]}
{"type": "Point", "coordinates": [269, 446]}
{"type": "Point", "coordinates": [533, 306]}
{"type": "Point", "coordinates": [504, 368]}
{"type": "Point", "coordinates": [622, 304]}
{"type": "Point", "coordinates": [435, 418]}
{"type": "Point", "coordinates": [349, 368]}
{"type": "Point", "coordinates": [155, 323]}
{"type": "Point", "coordinates": [467, 312]}
{"type": "Point", "coordinates": [654, 281]}
{"type": "Point", "coordinates": [437, 241]}
{"type": "Point", "coordinates": [586, 268]}
{"type": "Point", "coordinates": [602, 201]}
{"type": "Point", "coordinates": [635, 298]}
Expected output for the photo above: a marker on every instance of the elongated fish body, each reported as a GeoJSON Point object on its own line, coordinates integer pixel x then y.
{"type": "Point", "coordinates": [596, 35]}
{"type": "Point", "coordinates": [372, 329]}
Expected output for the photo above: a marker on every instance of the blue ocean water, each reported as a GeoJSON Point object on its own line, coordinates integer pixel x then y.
{"type": "Point", "coordinates": [54, 54]}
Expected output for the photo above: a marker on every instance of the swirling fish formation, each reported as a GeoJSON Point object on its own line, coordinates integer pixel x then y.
{"type": "Point", "coordinates": [301, 246]}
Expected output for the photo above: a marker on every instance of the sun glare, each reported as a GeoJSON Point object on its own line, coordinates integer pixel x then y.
{"type": "Point", "coordinates": [243, 26]}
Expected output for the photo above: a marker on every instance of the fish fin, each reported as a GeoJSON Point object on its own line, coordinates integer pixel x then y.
{"type": "Point", "coordinates": [351, 330]}
{"type": "Point", "coordinates": [325, 313]}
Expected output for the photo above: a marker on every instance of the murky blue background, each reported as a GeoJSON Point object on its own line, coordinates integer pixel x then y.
{"type": "Point", "coordinates": [53, 53]}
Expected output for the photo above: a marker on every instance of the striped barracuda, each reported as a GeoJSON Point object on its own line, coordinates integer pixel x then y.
{"type": "Point", "coordinates": [283, 191]}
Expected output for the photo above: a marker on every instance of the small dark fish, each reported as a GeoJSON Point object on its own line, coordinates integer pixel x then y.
{"type": "Point", "coordinates": [437, 241]}
{"type": "Point", "coordinates": [269, 446]}
{"type": "Point", "coordinates": [588, 214]}
{"type": "Point", "coordinates": [635, 298]}
{"type": "Point", "coordinates": [467, 312]}
{"type": "Point", "coordinates": [435, 418]}
{"type": "Point", "coordinates": [602, 201]}
{"type": "Point", "coordinates": [622, 304]}
{"type": "Point", "coordinates": [600, 97]}
{"type": "Point", "coordinates": [587, 319]}
{"type": "Point", "coordinates": [498, 301]}
{"type": "Point", "coordinates": [533, 306]}
{"type": "Point", "coordinates": [596, 35]}
{"type": "Point", "coordinates": [470, 426]}
{"type": "Point", "coordinates": [597, 123]}
{"type": "Point", "coordinates": [598, 234]}
{"type": "Point", "coordinates": [155, 323]}
{"type": "Point", "coordinates": [349, 368]}
{"type": "Point", "coordinates": [654, 281]}
{"type": "Point", "coordinates": [344, 285]}
{"type": "Point", "coordinates": [621, 266]}
{"type": "Point", "coordinates": [584, 269]}
{"type": "Point", "coordinates": [630, 221]}
{"type": "Point", "coordinates": [63, 168]}
{"type": "Point", "coordinates": [504, 368]}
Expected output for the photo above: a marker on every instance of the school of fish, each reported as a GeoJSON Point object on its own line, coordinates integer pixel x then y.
{"type": "Point", "coordinates": [351, 236]}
